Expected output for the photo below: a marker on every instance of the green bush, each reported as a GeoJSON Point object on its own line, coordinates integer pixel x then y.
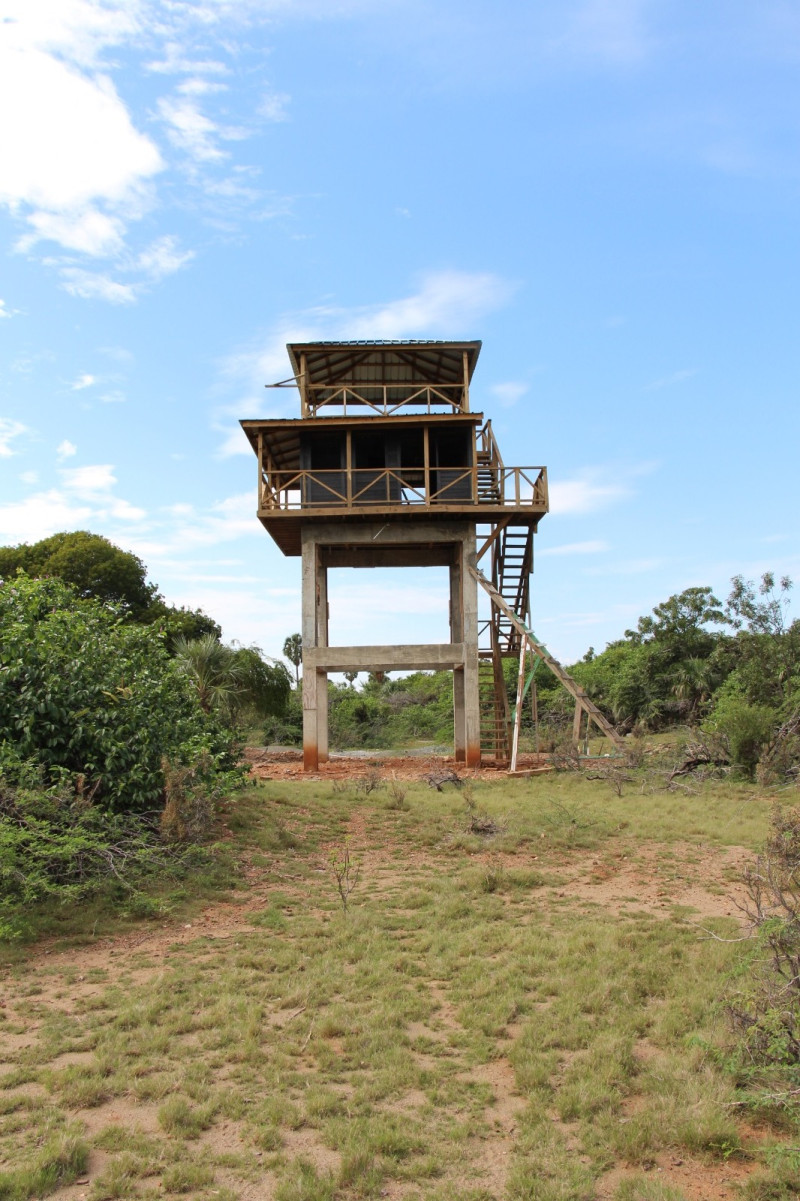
{"type": "Point", "coordinates": [86, 693]}
{"type": "Point", "coordinates": [745, 728]}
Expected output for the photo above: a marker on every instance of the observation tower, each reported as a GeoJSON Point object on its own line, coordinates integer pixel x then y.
{"type": "Point", "coordinates": [387, 466]}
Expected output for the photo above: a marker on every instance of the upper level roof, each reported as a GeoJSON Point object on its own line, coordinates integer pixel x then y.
{"type": "Point", "coordinates": [384, 375]}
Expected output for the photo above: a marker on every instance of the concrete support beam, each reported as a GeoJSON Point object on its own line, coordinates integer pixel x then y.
{"type": "Point", "coordinates": [426, 656]}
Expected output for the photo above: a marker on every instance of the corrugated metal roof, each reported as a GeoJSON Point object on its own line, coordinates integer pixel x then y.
{"type": "Point", "coordinates": [384, 361]}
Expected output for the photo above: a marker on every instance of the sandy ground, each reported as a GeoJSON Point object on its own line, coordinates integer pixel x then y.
{"type": "Point", "coordinates": [608, 879]}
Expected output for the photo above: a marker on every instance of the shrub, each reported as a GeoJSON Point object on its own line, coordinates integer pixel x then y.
{"type": "Point", "coordinates": [87, 693]}
{"type": "Point", "coordinates": [766, 1011]}
{"type": "Point", "coordinates": [744, 728]}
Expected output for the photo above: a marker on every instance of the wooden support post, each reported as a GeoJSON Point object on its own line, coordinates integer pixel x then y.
{"type": "Point", "coordinates": [304, 397]}
{"type": "Point", "coordinates": [576, 723]}
{"type": "Point", "coordinates": [426, 446]}
{"type": "Point", "coordinates": [518, 711]}
{"type": "Point", "coordinates": [349, 466]}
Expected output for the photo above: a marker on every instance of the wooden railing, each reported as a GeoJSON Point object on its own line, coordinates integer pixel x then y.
{"type": "Point", "coordinates": [367, 487]}
{"type": "Point", "coordinates": [392, 397]}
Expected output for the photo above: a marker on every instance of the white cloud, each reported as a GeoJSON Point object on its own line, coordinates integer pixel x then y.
{"type": "Point", "coordinates": [85, 500]}
{"type": "Point", "coordinates": [509, 393]}
{"type": "Point", "coordinates": [584, 495]}
{"type": "Point", "coordinates": [85, 380]}
{"type": "Point", "coordinates": [122, 510]}
{"type": "Point", "coordinates": [90, 285]}
{"type": "Point", "coordinates": [5, 312]}
{"type": "Point", "coordinates": [163, 258]}
{"type": "Point", "coordinates": [66, 449]}
{"type": "Point", "coordinates": [594, 547]}
{"type": "Point", "coordinates": [189, 129]}
{"type": "Point", "coordinates": [71, 146]}
{"type": "Point", "coordinates": [448, 302]}
{"type": "Point", "coordinates": [9, 430]}
{"type": "Point", "coordinates": [88, 481]}
{"type": "Point", "coordinates": [90, 232]}
{"type": "Point", "coordinates": [175, 62]}
{"type": "Point", "coordinates": [41, 515]}
{"type": "Point", "coordinates": [274, 106]}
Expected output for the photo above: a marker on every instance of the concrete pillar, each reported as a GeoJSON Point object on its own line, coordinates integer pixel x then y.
{"type": "Point", "coordinates": [321, 592]}
{"type": "Point", "coordinates": [459, 720]}
{"type": "Point", "coordinates": [310, 688]}
{"type": "Point", "coordinates": [457, 635]}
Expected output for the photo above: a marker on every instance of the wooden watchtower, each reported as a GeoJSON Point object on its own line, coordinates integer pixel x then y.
{"type": "Point", "coordinates": [387, 466]}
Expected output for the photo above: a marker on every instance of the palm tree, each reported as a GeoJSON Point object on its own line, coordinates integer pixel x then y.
{"type": "Point", "coordinates": [209, 664]}
{"type": "Point", "coordinates": [293, 651]}
{"type": "Point", "coordinates": [233, 679]}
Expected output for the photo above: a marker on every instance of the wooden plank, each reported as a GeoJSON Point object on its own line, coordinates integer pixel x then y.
{"type": "Point", "coordinates": [498, 529]}
{"type": "Point", "coordinates": [518, 710]}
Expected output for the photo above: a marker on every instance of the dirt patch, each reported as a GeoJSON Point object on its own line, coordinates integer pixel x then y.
{"type": "Point", "coordinates": [288, 765]}
{"type": "Point", "coordinates": [697, 1179]}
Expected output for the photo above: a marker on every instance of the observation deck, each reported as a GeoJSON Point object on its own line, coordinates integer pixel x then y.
{"type": "Point", "coordinates": [397, 442]}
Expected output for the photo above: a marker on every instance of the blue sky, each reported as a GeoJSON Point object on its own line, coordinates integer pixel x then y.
{"type": "Point", "coordinates": [604, 191]}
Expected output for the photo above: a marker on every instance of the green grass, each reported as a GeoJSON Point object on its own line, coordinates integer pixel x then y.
{"type": "Point", "coordinates": [467, 995]}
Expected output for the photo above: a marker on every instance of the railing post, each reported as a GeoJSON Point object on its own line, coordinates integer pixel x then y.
{"type": "Point", "coordinates": [348, 465]}
{"type": "Point", "coordinates": [427, 464]}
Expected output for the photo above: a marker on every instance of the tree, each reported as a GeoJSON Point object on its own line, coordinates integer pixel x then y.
{"type": "Point", "coordinates": [94, 567]}
{"type": "Point", "coordinates": [766, 650]}
{"type": "Point", "coordinates": [681, 620]}
{"type": "Point", "coordinates": [99, 570]}
{"type": "Point", "coordinates": [293, 651]}
{"type": "Point", "coordinates": [233, 681]}
{"type": "Point", "coordinates": [664, 670]}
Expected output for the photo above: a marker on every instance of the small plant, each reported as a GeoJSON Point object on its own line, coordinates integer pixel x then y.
{"type": "Point", "coordinates": [346, 872]}
{"type": "Point", "coordinates": [614, 774]}
{"type": "Point", "coordinates": [478, 821]}
{"type": "Point", "coordinates": [371, 782]}
{"type": "Point", "coordinates": [493, 877]}
{"type": "Point", "coordinates": [397, 795]}
{"type": "Point", "coordinates": [767, 1012]}
{"type": "Point", "coordinates": [437, 779]}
